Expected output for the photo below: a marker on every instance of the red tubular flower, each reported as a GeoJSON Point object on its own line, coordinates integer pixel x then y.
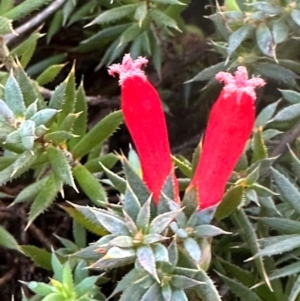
{"type": "Point", "coordinates": [145, 120]}
{"type": "Point", "coordinates": [229, 126]}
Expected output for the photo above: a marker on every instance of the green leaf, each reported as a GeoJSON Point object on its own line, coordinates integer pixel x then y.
{"type": "Point", "coordinates": [208, 73]}
{"type": "Point", "coordinates": [84, 221]}
{"type": "Point", "coordinates": [69, 102]}
{"type": "Point", "coordinates": [274, 71]}
{"type": "Point", "coordinates": [141, 13]}
{"type": "Point", "coordinates": [183, 282]}
{"type": "Point", "coordinates": [287, 190]}
{"type": "Point", "coordinates": [40, 66]}
{"type": "Point", "coordinates": [282, 225]}
{"type": "Point", "coordinates": [40, 288]}
{"type": "Point", "coordinates": [208, 231]}
{"type": "Point", "coordinates": [5, 26]}
{"type": "Point", "coordinates": [244, 276]}
{"type": "Point", "coordinates": [44, 198]}
{"type": "Point", "coordinates": [296, 16]}
{"type": "Point", "coordinates": [131, 203]}
{"type": "Point", "coordinates": [43, 116]}
{"type": "Point", "coordinates": [40, 257]}
{"type": "Point", "coordinates": [67, 277]}
{"type": "Point", "coordinates": [18, 167]}
{"type": "Point", "coordinates": [6, 114]}
{"type": "Point", "coordinates": [110, 32]}
{"type": "Point", "coordinates": [295, 163]}
{"type": "Point", "coordinates": [24, 8]}
{"type": "Point", "coordinates": [280, 31]}
{"type": "Point", "coordinates": [237, 37]}
{"type": "Point", "coordinates": [259, 148]}
{"type": "Point", "coordinates": [179, 295]}
{"type": "Point", "coordinates": [240, 290]}
{"type": "Point", "coordinates": [295, 289]}
{"type": "Point", "coordinates": [29, 88]}
{"type": "Point", "coordinates": [231, 201]}
{"type": "Point", "coordinates": [115, 14]}
{"type": "Point", "coordinates": [60, 165]}
{"type": "Point", "coordinates": [162, 221]}
{"type": "Point", "coordinates": [130, 34]}
{"type": "Point", "coordinates": [14, 97]}
{"type": "Point", "coordinates": [115, 257]}
{"type": "Point", "coordinates": [268, 8]}
{"type": "Point", "coordinates": [68, 122]}
{"type": "Point", "coordinates": [248, 234]}
{"type": "Point", "coordinates": [125, 282]}
{"type": "Point", "coordinates": [7, 240]}
{"type": "Point", "coordinates": [68, 9]}
{"type": "Point", "coordinates": [162, 19]}
{"type": "Point", "coordinates": [26, 49]}
{"type": "Point", "coordinates": [265, 40]}
{"type": "Point", "coordinates": [287, 114]}
{"type": "Point", "coordinates": [80, 125]}
{"type": "Point", "coordinates": [288, 270]}
{"type": "Point", "coordinates": [183, 165]}
{"type": "Point", "coordinates": [57, 98]}
{"type": "Point", "coordinates": [49, 74]}
{"type": "Point", "coordinates": [266, 114]}
{"type": "Point", "coordinates": [143, 216]}
{"type": "Point", "coordinates": [193, 249]}
{"type": "Point", "coordinates": [96, 165]}
{"type": "Point", "coordinates": [85, 286]}
{"type": "Point", "coordinates": [101, 131]}
{"type": "Point", "coordinates": [57, 267]}
{"type": "Point", "coordinates": [291, 96]}
{"type": "Point", "coordinates": [58, 137]}
{"type": "Point", "coordinates": [112, 223]}
{"type": "Point", "coordinates": [152, 293]}
{"type": "Point", "coordinates": [207, 291]}
{"type": "Point", "coordinates": [145, 257]}
{"type": "Point", "coordinates": [173, 2]}
{"type": "Point", "coordinates": [90, 185]}
{"type": "Point", "coordinates": [5, 6]}
{"type": "Point", "coordinates": [55, 25]}
{"type": "Point", "coordinates": [82, 12]}
{"type": "Point", "coordinates": [117, 182]}
{"type": "Point", "coordinates": [135, 182]}
{"type": "Point", "coordinates": [283, 245]}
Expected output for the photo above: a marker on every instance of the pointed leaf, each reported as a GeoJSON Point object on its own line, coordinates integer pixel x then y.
{"type": "Point", "coordinates": [287, 190]}
{"type": "Point", "coordinates": [44, 198]}
{"type": "Point", "coordinates": [61, 166]}
{"type": "Point", "coordinates": [98, 134]}
{"type": "Point", "coordinates": [14, 97]}
{"type": "Point", "coordinates": [240, 290]}
{"type": "Point", "coordinates": [231, 201]}
{"type": "Point", "coordinates": [145, 257]}
{"type": "Point", "coordinates": [161, 222]}
{"type": "Point", "coordinates": [131, 204]}
{"type": "Point", "coordinates": [40, 257]}
{"type": "Point", "coordinates": [89, 184]}
{"type": "Point", "coordinates": [112, 223]}
{"type": "Point", "coordinates": [7, 240]}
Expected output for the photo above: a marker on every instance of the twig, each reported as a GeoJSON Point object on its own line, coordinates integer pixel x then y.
{"type": "Point", "coordinates": [98, 100]}
{"type": "Point", "coordinates": [287, 138]}
{"type": "Point", "coordinates": [34, 22]}
{"type": "Point", "coordinates": [7, 277]}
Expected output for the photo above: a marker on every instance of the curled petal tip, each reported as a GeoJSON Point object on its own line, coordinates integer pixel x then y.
{"type": "Point", "coordinates": [240, 82]}
{"type": "Point", "coordinates": [128, 68]}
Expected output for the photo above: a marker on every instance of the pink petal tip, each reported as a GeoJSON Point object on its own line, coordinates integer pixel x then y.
{"type": "Point", "coordinates": [128, 68]}
{"type": "Point", "coordinates": [240, 82]}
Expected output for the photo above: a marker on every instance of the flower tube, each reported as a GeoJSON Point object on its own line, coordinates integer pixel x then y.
{"type": "Point", "coordinates": [229, 127]}
{"type": "Point", "coordinates": [145, 120]}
